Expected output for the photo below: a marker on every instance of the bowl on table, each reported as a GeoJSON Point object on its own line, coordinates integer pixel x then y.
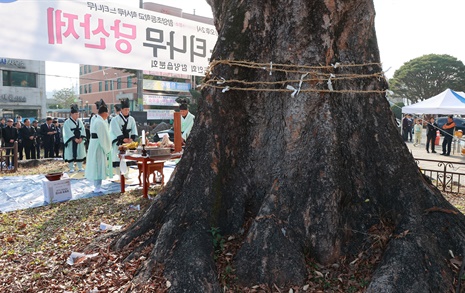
{"type": "Point", "coordinates": [54, 176]}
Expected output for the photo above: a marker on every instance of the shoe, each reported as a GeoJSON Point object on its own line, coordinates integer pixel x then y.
{"type": "Point", "coordinates": [427, 151]}
{"type": "Point", "coordinates": [71, 171]}
{"type": "Point", "coordinates": [99, 190]}
{"type": "Point", "coordinates": [434, 152]}
{"type": "Point", "coordinates": [81, 170]}
{"type": "Point", "coordinates": [442, 154]}
{"type": "Point", "coordinates": [447, 155]}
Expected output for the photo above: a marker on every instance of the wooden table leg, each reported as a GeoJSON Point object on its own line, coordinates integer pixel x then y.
{"type": "Point", "coordinates": [145, 186]}
{"type": "Point", "coordinates": [123, 183]}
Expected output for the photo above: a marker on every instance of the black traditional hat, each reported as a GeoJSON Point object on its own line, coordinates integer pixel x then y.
{"type": "Point", "coordinates": [74, 108]}
{"type": "Point", "coordinates": [103, 107]}
{"type": "Point", "coordinates": [100, 103]}
{"type": "Point", "coordinates": [183, 107]}
{"type": "Point", "coordinates": [124, 103]}
{"type": "Point", "coordinates": [117, 107]}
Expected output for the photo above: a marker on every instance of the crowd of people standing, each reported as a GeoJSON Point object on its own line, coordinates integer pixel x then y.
{"type": "Point", "coordinates": [415, 126]}
{"type": "Point", "coordinates": [30, 138]}
{"type": "Point", "coordinates": [97, 145]}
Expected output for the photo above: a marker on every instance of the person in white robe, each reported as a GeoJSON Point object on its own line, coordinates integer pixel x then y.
{"type": "Point", "coordinates": [74, 137]}
{"type": "Point", "coordinates": [98, 165]}
{"type": "Point", "coordinates": [187, 121]}
{"type": "Point", "coordinates": [123, 129]}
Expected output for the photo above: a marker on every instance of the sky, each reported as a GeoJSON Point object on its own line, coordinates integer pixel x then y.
{"type": "Point", "coordinates": [406, 29]}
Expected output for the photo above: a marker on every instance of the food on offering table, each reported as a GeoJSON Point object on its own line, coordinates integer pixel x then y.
{"type": "Point", "coordinates": [166, 142]}
{"type": "Point", "coordinates": [132, 146]}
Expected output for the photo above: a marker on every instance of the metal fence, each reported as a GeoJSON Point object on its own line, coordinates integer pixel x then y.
{"type": "Point", "coordinates": [9, 162]}
{"type": "Point", "coordinates": [447, 176]}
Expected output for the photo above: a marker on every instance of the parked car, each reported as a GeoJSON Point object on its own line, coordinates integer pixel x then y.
{"type": "Point", "coordinates": [459, 123]}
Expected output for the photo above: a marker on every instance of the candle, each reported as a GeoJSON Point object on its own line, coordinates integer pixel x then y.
{"type": "Point", "coordinates": [143, 137]}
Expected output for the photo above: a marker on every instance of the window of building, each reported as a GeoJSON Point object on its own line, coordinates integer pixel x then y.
{"type": "Point", "coordinates": [111, 84]}
{"type": "Point", "coordinates": [118, 83]}
{"type": "Point", "coordinates": [85, 69]}
{"type": "Point", "coordinates": [80, 89]}
{"type": "Point", "coordinates": [89, 69]}
{"type": "Point", "coordinates": [129, 83]}
{"type": "Point", "coordinates": [100, 86]}
{"type": "Point", "coordinates": [90, 88]}
{"type": "Point", "coordinates": [85, 88]}
{"type": "Point", "coordinates": [100, 68]}
{"type": "Point", "coordinates": [19, 78]}
{"type": "Point", "coordinates": [106, 85]}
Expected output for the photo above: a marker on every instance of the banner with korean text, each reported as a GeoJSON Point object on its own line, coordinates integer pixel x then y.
{"type": "Point", "coordinates": [105, 34]}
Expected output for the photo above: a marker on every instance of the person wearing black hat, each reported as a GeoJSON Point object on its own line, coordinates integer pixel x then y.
{"type": "Point", "coordinates": [97, 105]}
{"type": "Point", "coordinates": [74, 137]}
{"type": "Point", "coordinates": [48, 131]}
{"type": "Point", "coordinates": [98, 165]}
{"type": "Point", "coordinates": [123, 129]}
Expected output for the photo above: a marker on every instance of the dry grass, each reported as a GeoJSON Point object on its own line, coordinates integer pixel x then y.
{"type": "Point", "coordinates": [36, 243]}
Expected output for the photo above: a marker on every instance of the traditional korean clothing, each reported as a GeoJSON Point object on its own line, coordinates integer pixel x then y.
{"type": "Point", "coordinates": [99, 154]}
{"type": "Point", "coordinates": [74, 152]}
{"type": "Point", "coordinates": [121, 127]}
{"type": "Point", "coordinates": [186, 125]}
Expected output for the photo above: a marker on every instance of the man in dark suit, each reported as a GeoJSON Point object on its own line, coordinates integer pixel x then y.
{"type": "Point", "coordinates": [58, 139]}
{"type": "Point", "coordinates": [10, 135]}
{"type": "Point", "coordinates": [48, 131]}
{"type": "Point", "coordinates": [38, 138]}
{"type": "Point", "coordinates": [28, 135]}
{"type": "Point", "coordinates": [2, 125]}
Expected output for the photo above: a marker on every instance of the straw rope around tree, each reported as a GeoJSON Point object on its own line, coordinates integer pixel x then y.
{"type": "Point", "coordinates": [317, 76]}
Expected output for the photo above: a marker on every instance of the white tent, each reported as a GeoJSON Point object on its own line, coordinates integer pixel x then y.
{"type": "Point", "coordinates": [447, 102]}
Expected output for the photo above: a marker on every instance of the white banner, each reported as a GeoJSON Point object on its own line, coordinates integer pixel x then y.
{"type": "Point", "coordinates": [156, 100]}
{"type": "Point", "coordinates": [101, 33]}
{"type": "Point", "coordinates": [160, 114]}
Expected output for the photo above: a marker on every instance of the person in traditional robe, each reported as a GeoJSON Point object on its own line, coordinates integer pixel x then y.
{"type": "Point", "coordinates": [97, 104]}
{"type": "Point", "coordinates": [187, 121]}
{"type": "Point", "coordinates": [98, 165]}
{"type": "Point", "coordinates": [123, 129]}
{"type": "Point", "coordinates": [74, 137]}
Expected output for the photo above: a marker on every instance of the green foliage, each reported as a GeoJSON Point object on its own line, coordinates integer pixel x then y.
{"type": "Point", "coordinates": [218, 240]}
{"type": "Point", "coordinates": [426, 76]}
{"type": "Point", "coordinates": [65, 97]}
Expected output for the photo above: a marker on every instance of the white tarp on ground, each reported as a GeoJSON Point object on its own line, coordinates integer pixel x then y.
{"type": "Point", "coordinates": [447, 102]}
{"type": "Point", "coordinates": [22, 192]}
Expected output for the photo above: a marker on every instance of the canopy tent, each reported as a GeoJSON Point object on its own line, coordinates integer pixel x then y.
{"type": "Point", "coordinates": [447, 102]}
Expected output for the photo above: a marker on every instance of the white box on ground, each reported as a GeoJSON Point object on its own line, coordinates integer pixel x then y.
{"type": "Point", "coordinates": [57, 191]}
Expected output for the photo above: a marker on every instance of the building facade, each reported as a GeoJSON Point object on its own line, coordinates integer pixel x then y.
{"type": "Point", "coordinates": [22, 91]}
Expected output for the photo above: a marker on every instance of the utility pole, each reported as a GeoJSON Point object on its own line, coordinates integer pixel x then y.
{"type": "Point", "coordinates": [140, 76]}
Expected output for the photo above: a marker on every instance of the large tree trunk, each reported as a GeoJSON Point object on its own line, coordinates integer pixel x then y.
{"type": "Point", "coordinates": [297, 177]}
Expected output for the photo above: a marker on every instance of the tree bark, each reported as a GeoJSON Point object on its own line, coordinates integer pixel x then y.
{"type": "Point", "coordinates": [297, 177]}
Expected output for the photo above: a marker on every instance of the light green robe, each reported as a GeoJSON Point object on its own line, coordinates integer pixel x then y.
{"type": "Point", "coordinates": [68, 139]}
{"type": "Point", "coordinates": [98, 165]}
{"type": "Point", "coordinates": [186, 125]}
{"type": "Point", "coordinates": [116, 132]}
